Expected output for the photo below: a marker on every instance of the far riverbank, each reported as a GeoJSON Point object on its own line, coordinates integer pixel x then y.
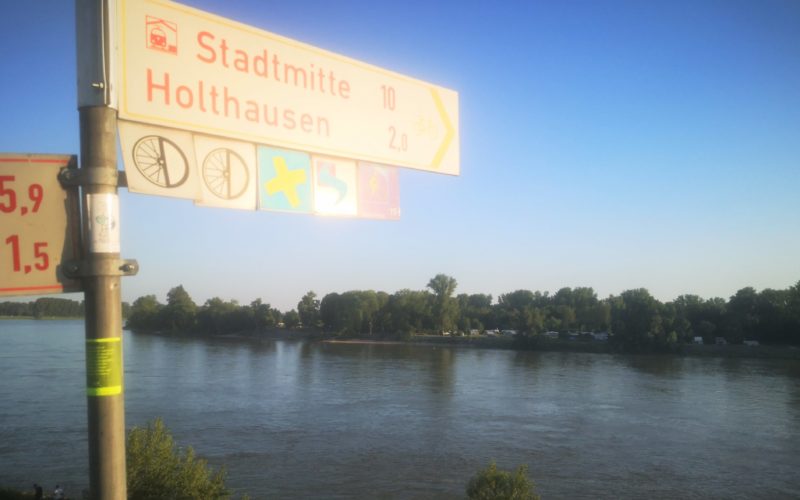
{"type": "Point", "coordinates": [558, 345]}
{"type": "Point", "coordinates": [500, 342]}
{"type": "Point", "coordinates": [481, 342]}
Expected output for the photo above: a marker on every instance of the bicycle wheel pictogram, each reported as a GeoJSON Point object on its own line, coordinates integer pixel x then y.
{"type": "Point", "coordinates": [160, 161]}
{"type": "Point", "coordinates": [225, 174]}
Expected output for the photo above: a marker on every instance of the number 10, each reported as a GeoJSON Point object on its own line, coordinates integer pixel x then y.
{"type": "Point", "coordinates": [388, 97]}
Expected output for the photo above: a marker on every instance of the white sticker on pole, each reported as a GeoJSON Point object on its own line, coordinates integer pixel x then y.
{"type": "Point", "coordinates": [103, 223]}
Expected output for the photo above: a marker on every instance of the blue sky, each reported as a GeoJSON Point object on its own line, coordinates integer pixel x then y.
{"type": "Point", "coordinates": [608, 144]}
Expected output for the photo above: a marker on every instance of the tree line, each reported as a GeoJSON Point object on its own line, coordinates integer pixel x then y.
{"type": "Point", "coordinates": [215, 316]}
{"type": "Point", "coordinates": [45, 307]}
{"type": "Point", "coordinates": [635, 319]}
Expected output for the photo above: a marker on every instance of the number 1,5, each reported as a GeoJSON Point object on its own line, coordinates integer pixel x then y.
{"type": "Point", "coordinates": [42, 260]}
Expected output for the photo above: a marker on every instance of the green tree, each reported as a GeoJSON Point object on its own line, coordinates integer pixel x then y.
{"type": "Point", "coordinates": [157, 468]}
{"type": "Point", "coordinates": [410, 311]}
{"type": "Point", "coordinates": [793, 314]}
{"type": "Point", "coordinates": [211, 316]}
{"type": "Point", "coordinates": [308, 309]}
{"type": "Point", "coordinates": [598, 318]}
{"type": "Point", "coordinates": [264, 316]}
{"type": "Point", "coordinates": [445, 307]}
{"type": "Point", "coordinates": [382, 318]}
{"type": "Point", "coordinates": [16, 309]}
{"type": "Point", "coordinates": [707, 317]}
{"type": "Point", "coordinates": [742, 315]}
{"type": "Point", "coordinates": [676, 322]}
{"type": "Point", "coordinates": [636, 320]}
{"type": "Point", "coordinates": [355, 312]}
{"type": "Point", "coordinates": [145, 313]}
{"type": "Point", "coordinates": [590, 313]}
{"type": "Point", "coordinates": [369, 306]}
{"type": "Point", "coordinates": [49, 307]}
{"type": "Point", "coordinates": [565, 305]}
{"type": "Point", "coordinates": [180, 311]}
{"type": "Point", "coordinates": [511, 308]}
{"type": "Point", "coordinates": [351, 314]}
{"type": "Point", "coordinates": [686, 316]}
{"type": "Point", "coordinates": [774, 319]}
{"type": "Point", "coordinates": [443, 285]}
{"type": "Point", "coordinates": [474, 310]}
{"type": "Point", "coordinates": [531, 321]}
{"type": "Point", "coordinates": [218, 316]}
{"type": "Point", "coordinates": [493, 484]}
{"type": "Point", "coordinates": [330, 312]}
{"type": "Point", "coordinates": [291, 319]}
{"type": "Point", "coordinates": [566, 316]}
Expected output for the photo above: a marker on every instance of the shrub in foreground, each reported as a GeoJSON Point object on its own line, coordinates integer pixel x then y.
{"type": "Point", "coordinates": [12, 494]}
{"type": "Point", "coordinates": [493, 484]}
{"type": "Point", "coordinates": [158, 469]}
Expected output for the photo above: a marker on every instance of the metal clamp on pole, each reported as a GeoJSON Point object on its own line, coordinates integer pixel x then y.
{"type": "Point", "coordinates": [72, 177]}
{"type": "Point", "coordinates": [100, 267]}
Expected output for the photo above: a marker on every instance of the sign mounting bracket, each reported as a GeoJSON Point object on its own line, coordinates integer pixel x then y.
{"type": "Point", "coordinates": [100, 267]}
{"type": "Point", "coordinates": [79, 177]}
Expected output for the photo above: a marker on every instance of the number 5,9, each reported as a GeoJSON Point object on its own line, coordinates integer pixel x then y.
{"type": "Point", "coordinates": [8, 198]}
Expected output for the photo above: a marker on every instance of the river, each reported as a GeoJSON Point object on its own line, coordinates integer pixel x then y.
{"type": "Point", "coordinates": [321, 420]}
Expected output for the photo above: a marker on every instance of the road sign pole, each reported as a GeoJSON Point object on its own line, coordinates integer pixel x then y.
{"type": "Point", "coordinates": [100, 267]}
{"type": "Point", "coordinates": [104, 364]}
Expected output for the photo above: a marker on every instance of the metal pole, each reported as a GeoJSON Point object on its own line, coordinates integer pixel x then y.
{"type": "Point", "coordinates": [101, 281]}
{"type": "Point", "coordinates": [104, 364]}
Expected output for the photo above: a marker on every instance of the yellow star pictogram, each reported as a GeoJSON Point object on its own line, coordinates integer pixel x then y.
{"type": "Point", "coordinates": [286, 181]}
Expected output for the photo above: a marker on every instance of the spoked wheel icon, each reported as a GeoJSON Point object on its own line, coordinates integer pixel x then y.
{"type": "Point", "coordinates": [225, 174]}
{"type": "Point", "coordinates": [160, 161]}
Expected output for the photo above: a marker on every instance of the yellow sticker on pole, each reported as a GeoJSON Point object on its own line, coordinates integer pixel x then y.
{"type": "Point", "coordinates": [104, 366]}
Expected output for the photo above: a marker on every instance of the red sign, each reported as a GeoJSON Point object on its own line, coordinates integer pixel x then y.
{"type": "Point", "coordinates": [39, 221]}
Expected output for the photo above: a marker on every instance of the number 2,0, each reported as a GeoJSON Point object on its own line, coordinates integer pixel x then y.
{"type": "Point", "coordinates": [397, 141]}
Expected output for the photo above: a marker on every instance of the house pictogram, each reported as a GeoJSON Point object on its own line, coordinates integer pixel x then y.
{"type": "Point", "coordinates": [161, 35]}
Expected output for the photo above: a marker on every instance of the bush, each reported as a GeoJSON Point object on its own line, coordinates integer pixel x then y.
{"type": "Point", "coordinates": [11, 494]}
{"type": "Point", "coordinates": [493, 484]}
{"type": "Point", "coordinates": [157, 469]}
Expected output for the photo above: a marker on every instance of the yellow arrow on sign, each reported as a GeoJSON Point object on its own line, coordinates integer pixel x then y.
{"type": "Point", "coordinates": [449, 130]}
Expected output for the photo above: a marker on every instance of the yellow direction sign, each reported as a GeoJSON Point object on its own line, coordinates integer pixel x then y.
{"type": "Point", "coordinates": [38, 225]}
{"type": "Point", "coordinates": [187, 69]}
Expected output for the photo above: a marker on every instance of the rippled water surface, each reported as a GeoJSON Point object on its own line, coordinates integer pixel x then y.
{"type": "Point", "coordinates": [312, 420]}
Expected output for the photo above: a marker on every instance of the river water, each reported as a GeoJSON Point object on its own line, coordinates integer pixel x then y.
{"type": "Point", "coordinates": [316, 420]}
